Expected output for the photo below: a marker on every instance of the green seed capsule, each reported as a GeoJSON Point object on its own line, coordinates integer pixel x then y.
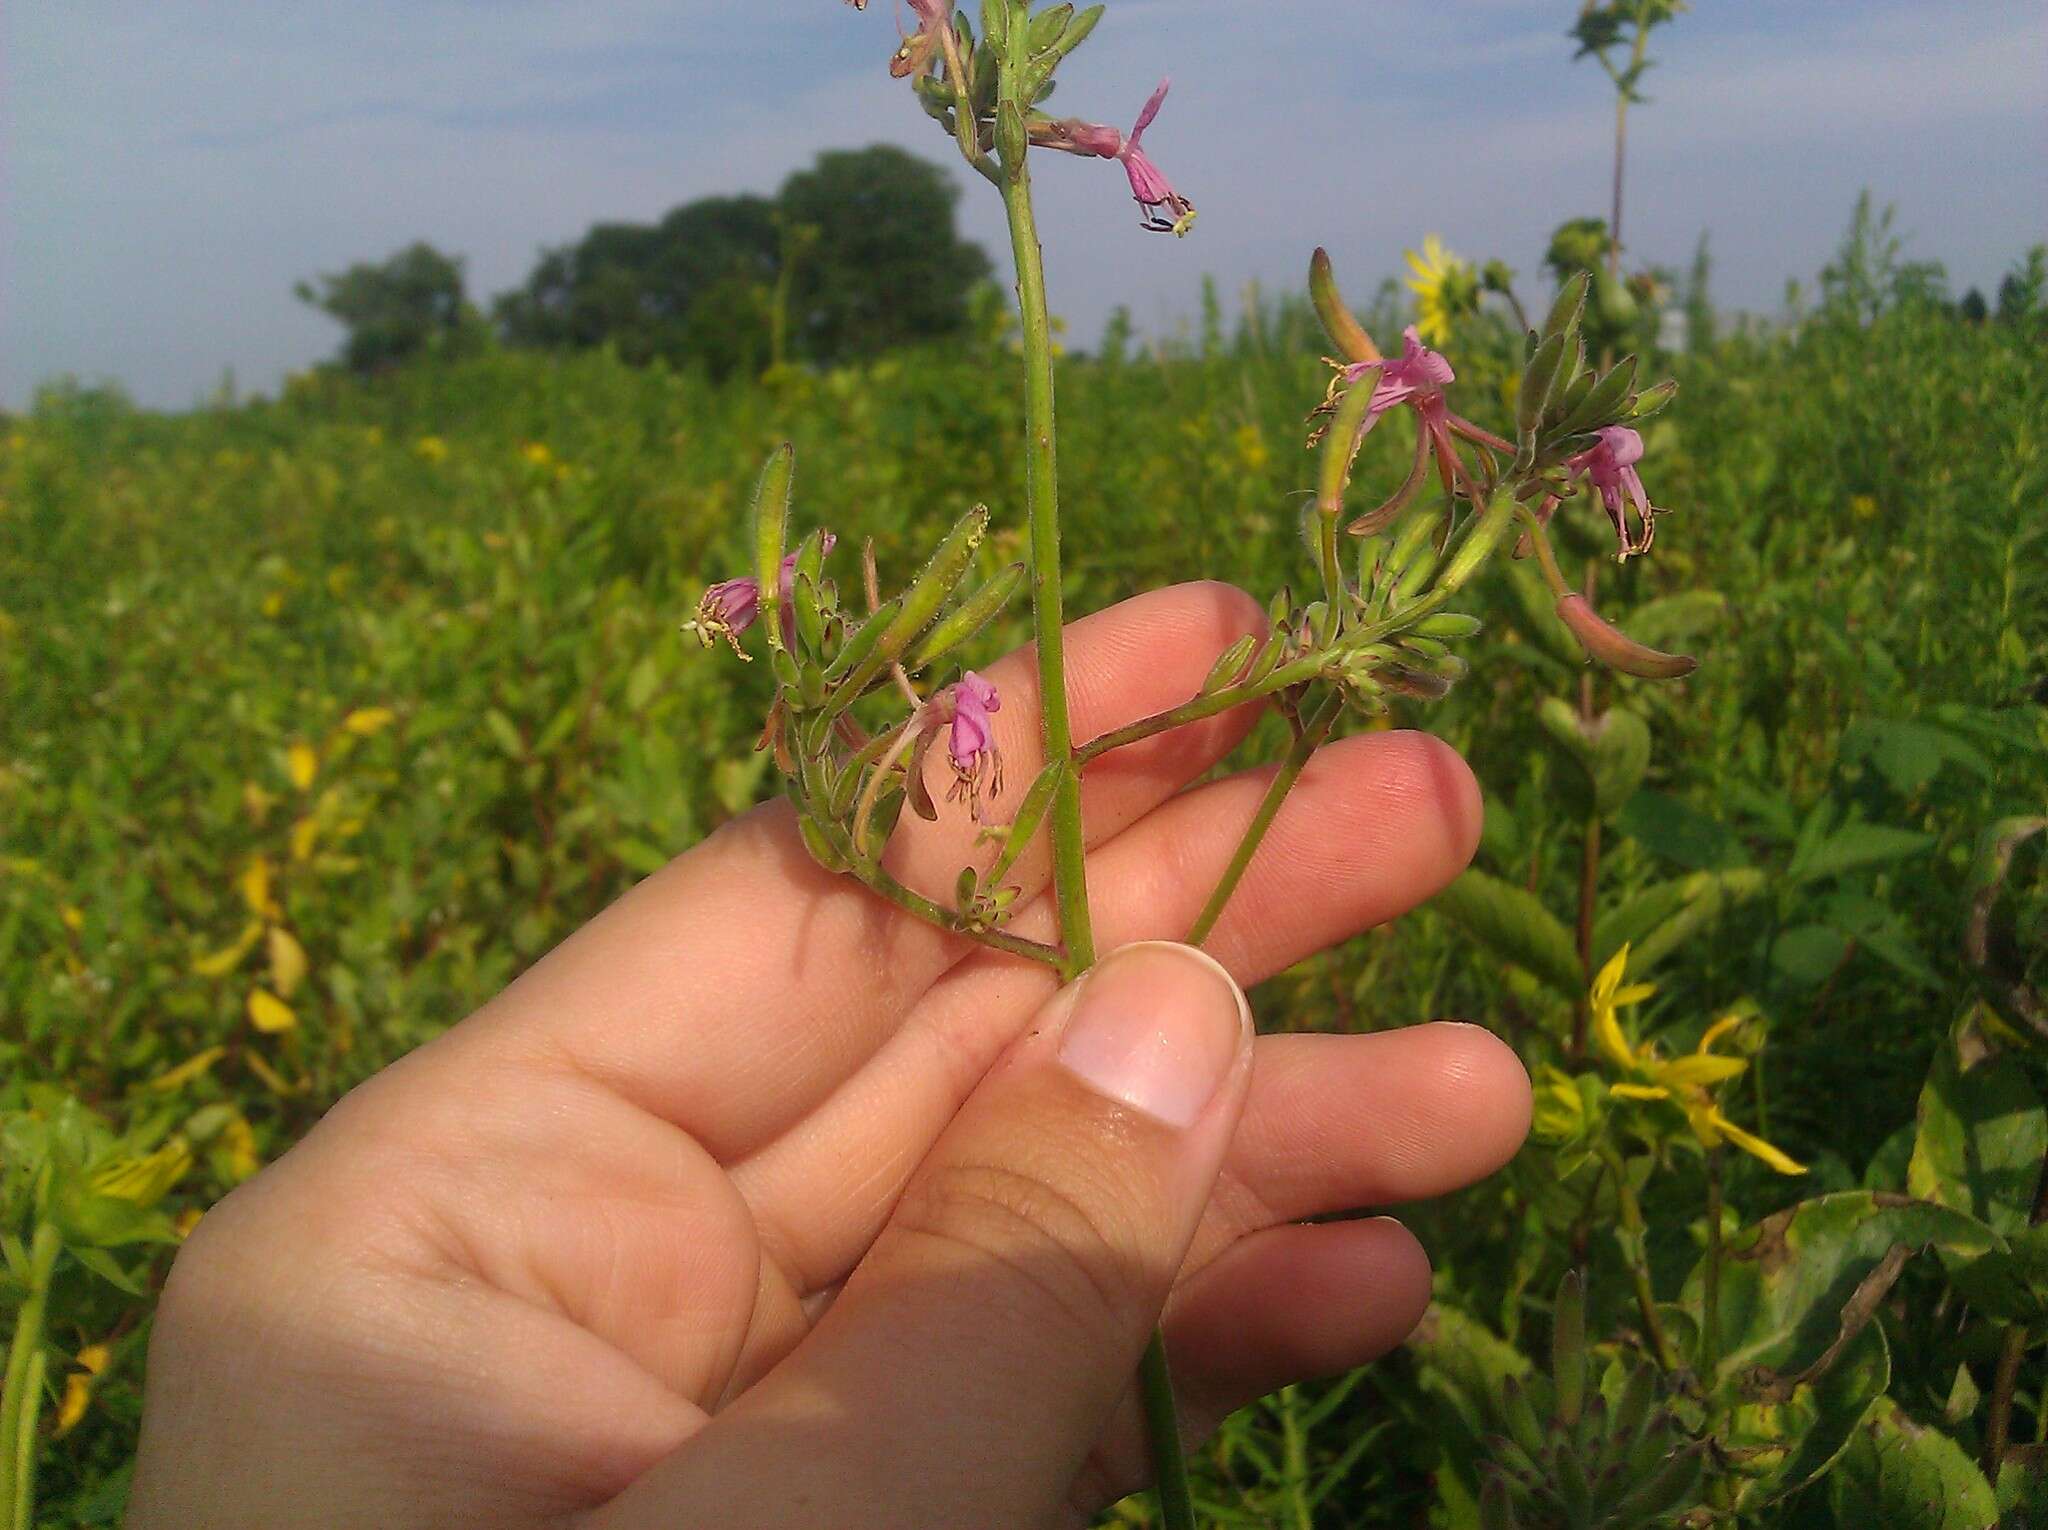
{"type": "Point", "coordinates": [974, 613]}
{"type": "Point", "coordinates": [771, 524]}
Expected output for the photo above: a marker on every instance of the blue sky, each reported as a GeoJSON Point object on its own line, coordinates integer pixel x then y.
{"type": "Point", "coordinates": [168, 171]}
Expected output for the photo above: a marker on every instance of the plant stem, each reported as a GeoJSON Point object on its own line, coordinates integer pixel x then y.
{"type": "Point", "coordinates": [1162, 1432]}
{"type": "Point", "coordinates": [1296, 1446]}
{"type": "Point", "coordinates": [1621, 141]}
{"type": "Point", "coordinates": [1310, 739]}
{"type": "Point", "coordinates": [21, 1398]}
{"type": "Point", "coordinates": [1041, 498]}
{"type": "Point", "coordinates": [1295, 672]}
{"type": "Point", "coordinates": [1067, 833]}
{"type": "Point", "coordinates": [1639, 1263]}
{"type": "Point", "coordinates": [872, 876]}
{"type": "Point", "coordinates": [1710, 1324]}
{"type": "Point", "coordinates": [1589, 861]}
{"type": "Point", "coordinates": [2013, 1349]}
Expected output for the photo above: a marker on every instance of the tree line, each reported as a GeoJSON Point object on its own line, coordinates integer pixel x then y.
{"type": "Point", "coordinates": [854, 255]}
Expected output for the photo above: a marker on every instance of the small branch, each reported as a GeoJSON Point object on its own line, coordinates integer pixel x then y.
{"type": "Point", "coordinates": [873, 877]}
{"type": "Point", "coordinates": [1305, 745]}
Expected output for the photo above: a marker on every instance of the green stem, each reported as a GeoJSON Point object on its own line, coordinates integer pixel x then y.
{"type": "Point", "coordinates": [1048, 615]}
{"type": "Point", "coordinates": [1296, 1445]}
{"type": "Point", "coordinates": [1162, 1430]}
{"type": "Point", "coordinates": [1067, 833]}
{"type": "Point", "coordinates": [1310, 739]}
{"type": "Point", "coordinates": [21, 1399]}
{"type": "Point", "coordinates": [872, 876]}
{"type": "Point", "coordinates": [1710, 1308]}
{"type": "Point", "coordinates": [1639, 1264]}
{"type": "Point", "coordinates": [1295, 672]}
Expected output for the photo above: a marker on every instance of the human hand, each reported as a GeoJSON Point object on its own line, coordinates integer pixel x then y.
{"type": "Point", "coordinates": [760, 1203]}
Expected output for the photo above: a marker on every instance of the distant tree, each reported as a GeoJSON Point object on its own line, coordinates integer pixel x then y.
{"type": "Point", "coordinates": [890, 267]}
{"type": "Point", "coordinates": [640, 287]}
{"type": "Point", "coordinates": [395, 309]}
{"type": "Point", "coordinates": [1973, 309]}
{"type": "Point", "coordinates": [2021, 295]}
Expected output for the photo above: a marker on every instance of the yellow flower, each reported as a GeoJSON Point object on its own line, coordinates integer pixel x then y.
{"type": "Point", "coordinates": [268, 1013]}
{"type": "Point", "coordinates": [1685, 1081]}
{"type": "Point", "coordinates": [301, 764]}
{"type": "Point", "coordinates": [220, 963]}
{"type": "Point", "coordinates": [186, 1071]}
{"type": "Point", "coordinates": [537, 454]}
{"type": "Point", "coordinates": [78, 1387]}
{"type": "Point", "coordinates": [146, 1180]}
{"type": "Point", "coordinates": [367, 722]}
{"type": "Point", "coordinates": [431, 449]}
{"type": "Point", "coordinates": [1444, 289]}
{"type": "Point", "coordinates": [287, 961]}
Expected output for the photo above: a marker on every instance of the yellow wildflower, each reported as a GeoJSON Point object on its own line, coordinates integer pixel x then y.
{"type": "Point", "coordinates": [1444, 287]}
{"type": "Point", "coordinates": [268, 1013]}
{"type": "Point", "coordinates": [145, 1180]}
{"type": "Point", "coordinates": [536, 454]}
{"type": "Point", "coordinates": [431, 449]}
{"type": "Point", "coordinates": [301, 764]}
{"type": "Point", "coordinates": [366, 722]}
{"type": "Point", "coordinates": [287, 961]}
{"type": "Point", "coordinates": [78, 1387]}
{"type": "Point", "coordinates": [186, 1221]}
{"type": "Point", "coordinates": [254, 883]}
{"type": "Point", "coordinates": [186, 1071]}
{"type": "Point", "coordinates": [1686, 1081]}
{"type": "Point", "coordinates": [220, 963]}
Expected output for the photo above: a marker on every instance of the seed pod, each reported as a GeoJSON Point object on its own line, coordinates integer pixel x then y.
{"type": "Point", "coordinates": [1229, 665]}
{"type": "Point", "coordinates": [1340, 446]}
{"type": "Point", "coordinates": [771, 523]}
{"type": "Point", "coordinates": [823, 851]}
{"type": "Point", "coordinates": [1481, 540]}
{"type": "Point", "coordinates": [1615, 648]}
{"type": "Point", "coordinates": [1030, 813]}
{"type": "Point", "coordinates": [1570, 305]}
{"type": "Point", "coordinates": [1048, 26]}
{"type": "Point", "coordinates": [1539, 381]}
{"type": "Point", "coordinates": [995, 18]}
{"type": "Point", "coordinates": [974, 613]}
{"type": "Point", "coordinates": [1603, 401]}
{"type": "Point", "coordinates": [1078, 29]}
{"type": "Point", "coordinates": [1346, 333]}
{"type": "Point", "coordinates": [862, 641]}
{"type": "Point", "coordinates": [1651, 400]}
{"type": "Point", "coordinates": [918, 605]}
{"type": "Point", "coordinates": [1446, 624]}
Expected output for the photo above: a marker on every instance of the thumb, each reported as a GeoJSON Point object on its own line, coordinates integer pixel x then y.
{"type": "Point", "coordinates": [972, 1360]}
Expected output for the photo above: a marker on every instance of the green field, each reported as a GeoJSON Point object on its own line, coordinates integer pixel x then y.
{"type": "Point", "coordinates": [362, 698]}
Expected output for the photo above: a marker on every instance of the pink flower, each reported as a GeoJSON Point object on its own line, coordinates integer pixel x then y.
{"type": "Point", "coordinates": [1417, 377]}
{"type": "Point", "coordinates": [1165, 210]}
{"type": "Point", "coordinates": [971, 741]}
{"type": "Point", "coordinates": [1610, 466]}
{"type": "Point", "coordinates": [731, 606]}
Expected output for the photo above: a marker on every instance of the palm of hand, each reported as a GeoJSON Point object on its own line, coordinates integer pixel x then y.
{"type": "Point", "coordinates": [510, 1275]}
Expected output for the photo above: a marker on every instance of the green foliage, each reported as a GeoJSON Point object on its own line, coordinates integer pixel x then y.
{"type": "Point", "coordinates": [412, 647]}
{"type": "Point", "coordinates": [892, 270]}
{"type": "Point", "coordinates": [396, 310]}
